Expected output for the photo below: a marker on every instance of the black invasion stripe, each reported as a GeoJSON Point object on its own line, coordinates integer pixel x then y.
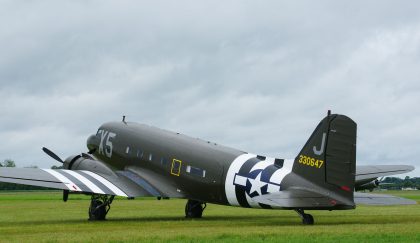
{"type": "Point", "coordinates": [240, 195]}
{"type": "Point", "coordinates": [80, 184]}
{"type": "Point", "coordinates": [262, 205]}
{"type": "Point", "coordinates": [97, 183]}
{"type": "Point", "coordinates": [247, 166]}
{"type": "Point", "coordinates": [279, 162]}
{"type": "Point", "coordinates": [240, 191]}
{"type": "Point", "coordinates": [268, 172]}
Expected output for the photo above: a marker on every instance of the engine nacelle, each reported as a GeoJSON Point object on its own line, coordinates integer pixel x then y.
{"type": "Point", "coordinates": [86, 162]}
{"type": "Point", "coordinates": [368, 186]}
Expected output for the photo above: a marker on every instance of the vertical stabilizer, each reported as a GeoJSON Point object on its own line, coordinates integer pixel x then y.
{"type": "Point", "coordinates": [328, 158]}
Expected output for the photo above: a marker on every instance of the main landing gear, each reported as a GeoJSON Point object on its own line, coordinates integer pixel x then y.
{"type": "Point", "coordinates": [99, 206]}
{"type": "Point", "coordinates": [307, 219]}
{"type": "Point", "coordinates": [194, 209]}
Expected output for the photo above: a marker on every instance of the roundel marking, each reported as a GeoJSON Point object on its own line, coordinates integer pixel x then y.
{"type": "Point", "coordinates": [250, 176]}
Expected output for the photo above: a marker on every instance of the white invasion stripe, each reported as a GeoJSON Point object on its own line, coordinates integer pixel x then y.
{"type": "Point", "coordinates": [85, 181]}
{"type": "Point", "coordinates": [278, 175]}
{"type": "Point", "coordinates": [230, 176]}
{"type": "Point", "coordinates": [66, 181]}
{"type": "Point", "coordinates": [262, 165]}
{"type": "Point", "coordinates": [106, 183]}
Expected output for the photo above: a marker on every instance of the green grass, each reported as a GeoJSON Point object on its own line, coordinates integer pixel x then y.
{"type": "Point", "coordinates": [42, 217]}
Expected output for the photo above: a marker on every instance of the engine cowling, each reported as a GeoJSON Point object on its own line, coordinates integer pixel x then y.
{"type": "Point", "coordinates": [368, 186]}
{"type": "Point", "coordinates": [87, 162]}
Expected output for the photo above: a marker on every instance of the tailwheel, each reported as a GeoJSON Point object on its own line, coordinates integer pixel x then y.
{"type": "Point", "coordinates": [194, 209]}
{"type": "Point", "coordinates": [99, 206]}
{"type": "Point", "coordinates": [307, 219]}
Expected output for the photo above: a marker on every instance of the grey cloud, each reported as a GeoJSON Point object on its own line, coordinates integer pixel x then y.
{"type": "Point", "coordinates": [252, 75]}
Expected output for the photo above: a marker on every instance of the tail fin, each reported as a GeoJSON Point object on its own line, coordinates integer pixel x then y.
{"type": "Point", "coordinates": [328, 158]}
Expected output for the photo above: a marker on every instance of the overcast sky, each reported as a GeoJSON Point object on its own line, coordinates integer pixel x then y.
{"type": "Point", "coordinates": [254, 75]}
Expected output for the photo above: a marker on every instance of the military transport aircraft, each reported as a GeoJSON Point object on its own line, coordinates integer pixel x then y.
{"type": "Point", "coordinates": [133, 160]}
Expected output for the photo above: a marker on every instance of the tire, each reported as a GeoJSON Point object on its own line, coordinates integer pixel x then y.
{"type": "Point", "coordinates": [193, 209]}
{"type": "Point", "coordinates": [308, 219]}
{"type": "Point", "coordinates": [96, 213]}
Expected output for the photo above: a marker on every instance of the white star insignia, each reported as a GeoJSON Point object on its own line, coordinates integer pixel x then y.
{"type": "Point", "coordinates": [256, 184]}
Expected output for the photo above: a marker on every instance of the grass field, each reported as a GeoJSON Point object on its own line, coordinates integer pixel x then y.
{"type": "Point", "coordinates": [42, 217]}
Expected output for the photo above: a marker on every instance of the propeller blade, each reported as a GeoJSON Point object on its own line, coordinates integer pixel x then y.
{"type": "Point", "coordinates": [52, 155]}
{"type": "Point", "coordinates": [65, 195]}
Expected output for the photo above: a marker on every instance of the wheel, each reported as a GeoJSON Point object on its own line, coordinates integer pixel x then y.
{"type": "Point", "coordinates": [193, 209]}
{"type": "Point", "coordinates": [308, 219]}
{"type": "Point", "coordinates": [97, 210]}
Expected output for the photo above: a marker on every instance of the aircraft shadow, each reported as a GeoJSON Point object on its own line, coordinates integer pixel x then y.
{"type": "Point", "coordinates": [254, 220]}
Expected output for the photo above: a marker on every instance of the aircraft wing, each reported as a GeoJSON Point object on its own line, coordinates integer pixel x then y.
{"type": "Point", "coordinates": [366, 172]}
{"type": "Point", "coordinates": [119, 184]}
{"type": "Point", "coordinates": [380, 199]}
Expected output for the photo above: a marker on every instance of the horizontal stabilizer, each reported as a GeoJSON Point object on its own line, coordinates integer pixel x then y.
{"type": "Point", "coordinates": [380, 199]}
{"type": "Point", "coordinates": [364, 172]}
{"type": "Point", "coordinates": [296, 198]}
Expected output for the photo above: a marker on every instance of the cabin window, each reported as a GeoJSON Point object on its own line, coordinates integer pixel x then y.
{"type": "Point", "coordinates": [176, 167]}
{"type": "Point", "coordinates": [163, 161]}
{"type": "Point", "coordinates": [195, 171]}
{"type": "Point", "coordinates": [139, 153]}
{"type": "Point", "coordinates": [150, 157]}
{"type": "Point", "coordinates": [127, 150]}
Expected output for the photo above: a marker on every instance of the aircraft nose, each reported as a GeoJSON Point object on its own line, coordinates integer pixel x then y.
{"type": "Point", "coordinates": [92, 142]}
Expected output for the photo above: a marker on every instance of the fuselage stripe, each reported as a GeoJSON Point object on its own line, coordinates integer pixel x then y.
{"type": "Point", "coordinates": [230, 177]}
{"type": "Point", "coordinates": [241, 194]}
{"type": "Point", "coordinates": [247, 166]}
{"type": "Point", "coordinates": [268, 172]}
{"type": "Point", "coordinates": [279, 175]}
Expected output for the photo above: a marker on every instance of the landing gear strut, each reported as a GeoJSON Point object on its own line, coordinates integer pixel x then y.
{"type": "Point", "coordinates": [99, 206]}
{"type": "Point", "coordinates": [306, 218]}
{"type": "Point", "coordinates": [194, 209]}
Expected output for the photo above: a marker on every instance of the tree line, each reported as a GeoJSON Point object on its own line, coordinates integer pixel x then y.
{"type": "Point", "coordinates": [19, 187]}
{"type": "Point", "coordinates": [396, 183]}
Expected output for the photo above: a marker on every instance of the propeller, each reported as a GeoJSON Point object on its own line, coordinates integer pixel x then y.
{"type": "Point", "coordinates": [54, 156]}
{"type": "Point", "coordinates": [381, 183]}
